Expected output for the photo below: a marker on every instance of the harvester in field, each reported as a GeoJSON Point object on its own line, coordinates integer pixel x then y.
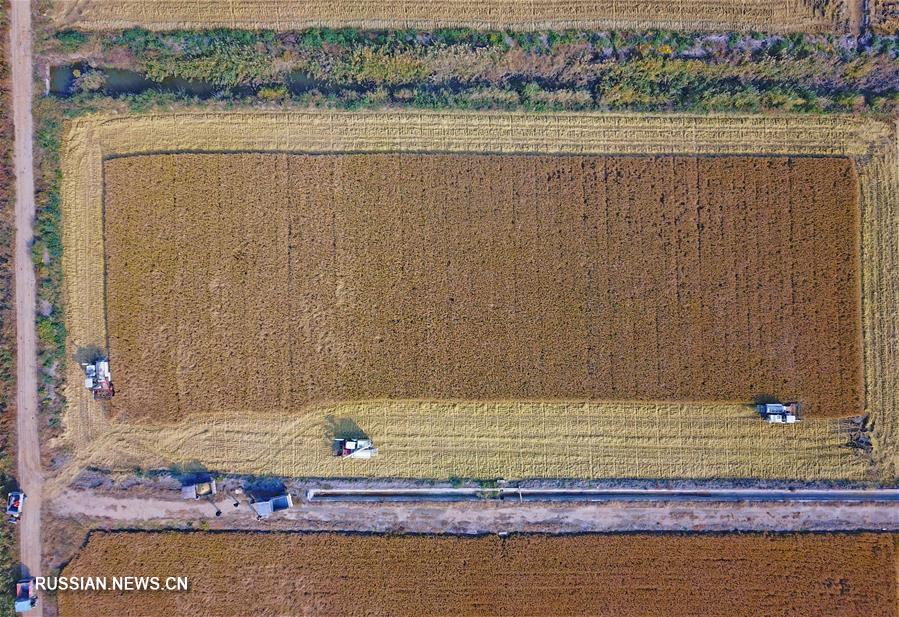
{"type": "Point", "coordinates": [354, 448]}
{"type": "Point", "coordinates": [98, 379]}
{"type": "Point", "coordinates": [780, 413]}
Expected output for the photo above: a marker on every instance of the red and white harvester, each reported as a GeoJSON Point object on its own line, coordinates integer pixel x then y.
{"type": "Point", "coordinates": [98, 379]}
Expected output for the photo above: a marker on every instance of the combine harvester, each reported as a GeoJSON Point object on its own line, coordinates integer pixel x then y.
{"type": "Point", "coordinates": [354, 448]}
{"type": "Point", "coordinates": [98, 379]}
{"type": "Point", "coordinates": [780, 413]}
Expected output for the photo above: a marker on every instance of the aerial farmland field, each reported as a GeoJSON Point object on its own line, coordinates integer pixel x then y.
{"type": "Point", "coordinates": [575, 321]}
{"type": "Point", "coordinates": [431, 277]}
{"type": "Point", "coordinates": [453, 308]}
{"type": "Point", "coordinates": [779, 16]}
{"type": "Point", "coordinates": [623, 575]}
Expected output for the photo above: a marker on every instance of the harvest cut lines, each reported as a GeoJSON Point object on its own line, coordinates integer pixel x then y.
{"type": "Point", "coordinates": [812, 449]}
{"type": "Point", "coordinates": [715, 15]}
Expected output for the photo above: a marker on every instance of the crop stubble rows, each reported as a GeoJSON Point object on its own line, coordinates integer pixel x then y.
{"type": "Point", "coordinates": [812, 450]}
{"type": "Point", "coordinates": [718, 15]}
{"type": "Point", "coordinates": [267, 283]}
{"type": "Point", "coordinates": [646, 575]}
{"type": "Point", "coordinates": [490, 440]}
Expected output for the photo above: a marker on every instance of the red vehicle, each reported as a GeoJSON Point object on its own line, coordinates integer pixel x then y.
{"type": "Point", "coordinates": [98, 379]}
{"type": "Point", "coordinates": [15, 501]}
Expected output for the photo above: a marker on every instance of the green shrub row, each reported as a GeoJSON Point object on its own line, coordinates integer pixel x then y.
{"type": "Point", "coordinates": [587, 70]}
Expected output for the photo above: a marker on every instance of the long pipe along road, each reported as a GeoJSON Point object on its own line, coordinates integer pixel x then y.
{"type": "Point", "coordinates": [593, 495]}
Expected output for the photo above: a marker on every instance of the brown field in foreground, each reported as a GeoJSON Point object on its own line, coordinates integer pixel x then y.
{"type": "Point", "coordinates": [271, 282]}
{"type": "Point", "coordinates": [621, 575]}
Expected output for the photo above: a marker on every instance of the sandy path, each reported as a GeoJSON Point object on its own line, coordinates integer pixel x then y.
{"type": "Point", "coordinates": [488, 516]}
{"type": "Point", "coordinates": [29, 464]}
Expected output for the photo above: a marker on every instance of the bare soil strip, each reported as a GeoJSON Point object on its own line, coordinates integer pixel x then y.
{"type": "Point", "coordinates": [108, 509]}
{"type": "Point", "coordinates": [30, 475]}
{"type": "Point", "coordinates": [645, 575]}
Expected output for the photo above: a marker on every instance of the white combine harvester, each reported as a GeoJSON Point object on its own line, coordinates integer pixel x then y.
{"type": "Point", "coordinates": [354, 448]}
{"type": "Point", "coordinates": [780, 413]}
{"type": "Point", "coordinates": [98, 379]}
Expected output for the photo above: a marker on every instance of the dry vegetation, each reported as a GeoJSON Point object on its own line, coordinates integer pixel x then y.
{"type": "Point", "coordinates": [7, 315]}
{"type": "Point", "coordinates": [885, 17]}
{"type": "Point", "coordinates": [7, 241]}
{"type": "Point", "coordinates": [622, 575]}
{"type": "Point", "coordinates": [266, 283]}
{"type": "Point", "coordinates": [265, 443]}
{"type": "Point", "coordinates": [765, 15]}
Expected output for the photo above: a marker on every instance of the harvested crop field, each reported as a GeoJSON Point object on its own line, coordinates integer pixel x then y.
{"type": "Point", "coordinates": [765, 15]}
{"type": "Point", "coordinates": [272, 282]}
{"type": "Point", "coordinates": [622, 575]}
{"type": "Point", "coordinates": [530, 439]}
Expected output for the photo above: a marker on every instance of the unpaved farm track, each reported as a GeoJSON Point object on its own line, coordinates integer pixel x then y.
{"type": "Point", "coordinates": [29, 465]}
{"type": "Point", "coordinates": [121, 509]}
{"type": "Point", "coordinates": [716, 15]}
{"type": "Point", "coordinates": [278, 445]}
{"type": "Point", "coordinates": [839, 575]}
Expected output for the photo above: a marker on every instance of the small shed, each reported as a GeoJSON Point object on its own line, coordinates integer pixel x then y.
{"type": "Point", "coordinates": [264, 509]}
{"type": "Point", "coordinates": [196, 491]}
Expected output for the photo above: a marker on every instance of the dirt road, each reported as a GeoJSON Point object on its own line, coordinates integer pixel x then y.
{"type": "Point", "coordinates": [483, 516]}
{"type": "Point", "coordinates": [29, 464]}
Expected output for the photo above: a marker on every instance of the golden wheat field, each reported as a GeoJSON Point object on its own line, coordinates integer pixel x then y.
{"type": "Point", "coordinates": [266, 283]}
{"type": "Point", "coordinates": [526, 439]}
{"type": "Point", "coordinates": [623, 575]}
{"type": "Point", "coordinates": [765, 15]}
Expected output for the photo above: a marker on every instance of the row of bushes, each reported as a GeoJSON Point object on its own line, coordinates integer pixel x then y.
{"type": "Point", "coordinates": [616, 95]}
{"type": "Point", "coordinates": [47, 258]}
{"type": "Point", "coordinates": [200, 42]}
{"type": "Point", "coordinates": [639, 71]}
{"type": "Point", "coordinates": [8, 564]}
